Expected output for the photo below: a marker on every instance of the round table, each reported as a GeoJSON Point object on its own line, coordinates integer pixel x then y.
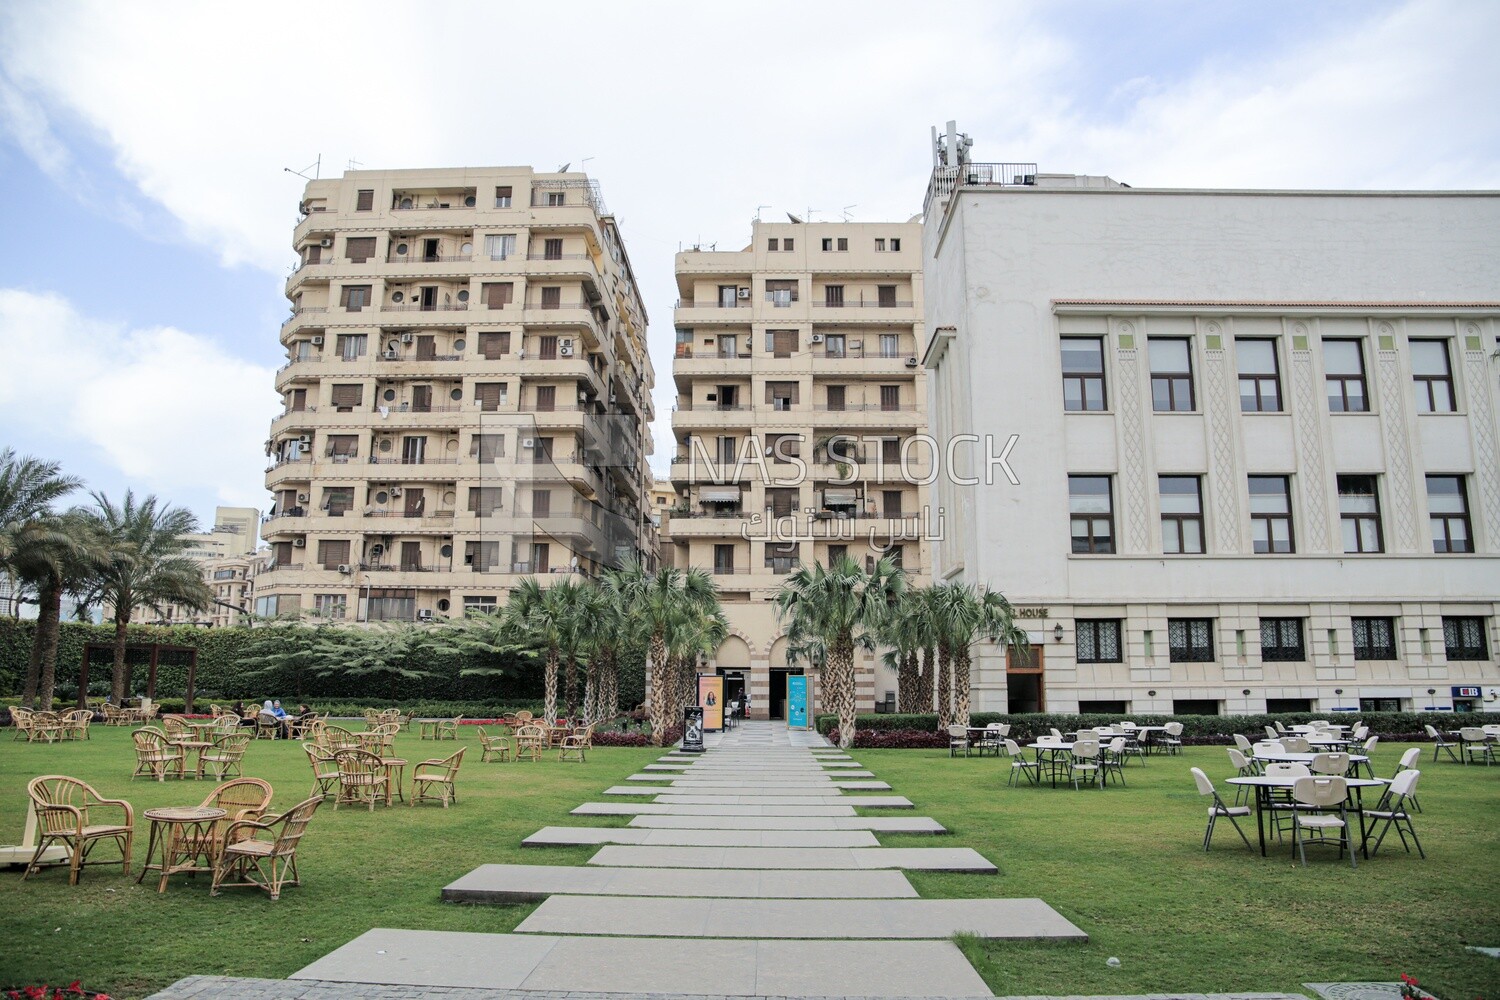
{"type": "Point", "coordinates": [182, 835]}
{"type": "Point", "coordinates": [1264, 784]}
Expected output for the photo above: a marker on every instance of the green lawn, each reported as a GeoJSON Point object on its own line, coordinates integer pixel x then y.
{"type": "Point", "coordinates": [1124, 865]}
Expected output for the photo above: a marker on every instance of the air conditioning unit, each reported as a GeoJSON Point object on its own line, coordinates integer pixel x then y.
{"type": "Point", "coordinates": [317, 341]}
{"type": "Point", "coordinates": [299, 543]}
{"type": "Point", "coordinates": [425, 615]}
{"type": "Point", "coordinates": [911, 362]}
{"type": "Point", "coordinates": [817, 338]}
{"type": "Point", "coordinates": [392, 355]}
{"type": "Point", "coordinates": [528, 443]}
{"type": "Point", "coordinates": [395, 491]}
{"type": "Point", "coordinates": [742, 293]}
{"type": "Point", "coordinates": [613, 399]}
{"type": "Point", "coordinates": [303, 498]}
{"type": "Point", "coordinates": [344, 569]}
{"type": "Point", "coordinates": [305, 440]}
{"type": "Point", "coordinates": [565, 351]}
{"type": "Point", "coordinates": [406, 338]}
{"type": "Point", "coordinates": [326, 241]}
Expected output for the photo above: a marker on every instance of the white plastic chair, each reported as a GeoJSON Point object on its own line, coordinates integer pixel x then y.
{"type": "Point", "coordinates": [1321, 794]}
{"type": "Point", "coordinates": [1438, 743]}
{"type": "Point", "coordinates": [1401, 792]}
{"type": "Point", "coordinates": [1084, 760]}
{"type": "Point", "coordinates": [1330, 763]}
{"type": "Point", "coordinates": [1409, 760]}
{"type": "Point", "coordinates": [1476, 744]}
{"type": "Point", "coordinates": [1218, 809]}
{"type": "Point", "coordinates": [1019, 765]}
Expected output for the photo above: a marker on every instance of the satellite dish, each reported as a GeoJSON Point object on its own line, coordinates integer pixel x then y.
{"type": "Point", "coordinates": [574, 561]}
{"type": "Point", "coordinates": [564, 168]}
{"type": "Point", "coordinates": [789, 215]}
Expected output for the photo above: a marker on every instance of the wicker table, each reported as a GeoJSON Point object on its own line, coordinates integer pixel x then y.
{"type": "Point", "coordinates": [182, 835]}
{"type": "Point", "coordinates": [395, 771]}
{"type": "Point", "coordinates": [427, 729]}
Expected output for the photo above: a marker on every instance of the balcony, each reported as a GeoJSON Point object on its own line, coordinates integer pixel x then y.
{"type": "Point", "coordinates": [462, 258]}
{"type": "Point", "coordinates": [945, 179]}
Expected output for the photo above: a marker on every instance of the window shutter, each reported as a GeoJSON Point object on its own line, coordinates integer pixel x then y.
{"type": "Point", "coordinates": [364, 201]}
{"type": "Point", "coordinates": [494, 345]}
{"type": "Point", "coordinates": [551, 297]}
{"type": "Point", "coordinates": [426, 347]}
{"type": "Point", "coordinates": [348, 396]}
{"type": "Point", "coordinates": [835, 397]}
{"type": "Point", "coordinates": [299, 400]}
{"type": "Point", "coordinates": [890, 397]}
{"type": "Point", "coordinates": [359, 248]}
{"type": "Point", "coordinates": [546, 398]}
{"type": "Point", "coordinates": [498, 294]}
{"type": "Point", "coordinates": [488, 394]}
{"type": "Point", "coordinates": [887, 296]}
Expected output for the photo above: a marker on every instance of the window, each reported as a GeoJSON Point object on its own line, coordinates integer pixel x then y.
{"type": "Point", "coordinates": [723, 559]}
{"type": "Point", "coordinates": [1083, 373]}
{"type": "Point", "coordinates": [552, 249]}
{"type": "Point", "coordinates": [1194, 706]}
{"type": "Point", "coordinates": [827, 245]}
{"type": "Point", "coordinates": [494, 345]}
{"type": "Point", "coordinates": [364, 201]}
{"type": "Point", "coordinates": [359, 248]}
{"type": "Point", "coordinates": [782, 502]}
{"type": "Point", "coordinates": [338, 499]}
{"type": "Point", "coordinates": [1271, 514]}
{"type": "Point", "coordinates": [1097, 640]}
{"type": "Point", "coordinates": [557, 198]}
{"type": "Point", "coordinates": [835, 398]}
{"type": "Point", "coordinates": [1287, 706]}
{"type": "Point", "coordinates": [1359, 513]}
{"type": "Point", "coordinates": [502, 200]}
{"type": "Point", "coordinates": [1091, 513]}
{"type": "Point", "coordinates": [1464, 639]}
{"type": "Point", "coordinates": [1181, 514]}
{"type": "Point", "coordinates": [334, 606]}
{"type": "Point", "coordinates": [843, 243]}
{"type": "Point", "coordinates": [333, 554]}
{"type": "Point", "coordinates": [1191, 640]}
{"type": "Point", "coordinates": [890, 345]}
{"type": "Point", "coordinates": [890, 451]}
{"type": "Point", "coordinates": [343, 446]}
{"type": "Point", "coordinates": [391, 604]}
{"type": "Point", "coordinates": [1448, 511]}
{"type": "Point", "coordinates": [354, 297]}
{"type": "Point", "coordinates": [786, 243]}
{"type": "Point", "coordinates": [895, 244]}
{"type": "Point", "coordinates": [773, 244]}
{"type": "Point", "coordinates": [500, 246]}
{"type": "Point", "coordinates": [489, 394]}
{"type": "Point", "coordinates": [833, 295]}
{"type": "Point", "coordinates": [281, 553]}
{"type": "Point", "coordinates": [346, 397]}
{"type": "Point", "coordinates": [552, 297]}
{"type": "Point", "coordinates": [781, 396]}
{"type": "Point", "coordinates": [484, 604]}
{"type": "Point", "coordinates": [727, 296]}
{"type": "Point", "coordinates": [1281, 640]}
{"type": "Point", "coordinates": [781, 293]}
{"type": "Point", "coordinates": [781, 343]}
{"type": "Point", "coordinates": [1344, 368]}
{"type": "Point", "coordinates": [481, 557]}
{"type": "Point", "coordinates": [885, 296]}
{"type": "Point", "coordinates": [352, 346]}
{"type": "Point", "coordinates": [277, 604]}
{"type": "Point", "coordinates": [834, 345]}
{"type": "Point", "coordinates": [890, 397]}
{"type": "Point", "coordinates": [895, 553]}
{"type": "Point", "coordinates": [1379, 705]}
{"type": "Point", "coordinates": [484, 500]}
{"type": "Point", "coordinates": [879, 245]}
{"type": "Point", "coordinates": [547, 347]}
{"type": "Point", "coordinates": [498, 294]}
{"type": "Point", "coordinates": [1103, 708]}
{"type": "Point", "coordinates": [1374, 638]}
{"type": "Point", "coordinates": [1433, 375]}
{"type": "Point", "coordinates": [890, 503]}
{"type": "Point", "coordinates": [781, 558]}
{"type": "Point", "coordinates": [782, 447]}
{"type": "Point", "coordinates": [1260, 379]}
{"type": "Point", "coordinates": [837, 554]}
{"type": "Point", "coordinates": [487, 448]}
{"type": "Point", "coordinates": [1171, 374]}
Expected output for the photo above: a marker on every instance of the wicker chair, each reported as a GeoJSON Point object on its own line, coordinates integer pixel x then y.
{"type": "Point", "coordinates": [338, 738]}
{"type": "Point", "coordinates": [115, 716]}
{"type": "Point", "coordinates": [226, 723]}
{"type": "Point", "coordinates": [576, 744]}
{"type": "Point", "coordinates": [531, 740]}
{"type": "Point", "coordinates": [434, 780]}
{"type": "Point", "coordinates": [381, 740]}
{"type": "Point", "coordinates": [265, 848]}
{"type": "Point", "coordinates": [21, 718]}
{"type": "Point", "coordinates": [226, 755]}
{"type": "Point", "coordinates": [267, 726]}
{"type": "Point", "coordinates": [46, 727]}
{"type": "Point", "coordinates": [154, 755]}
{"type": "Point", "coordinates": [300, 727]}
{"type": "Point", "coordinates": [497, 745]}
{"type": "Point", "coordinates": [448, 728]}
{"type": "Point", "coordinates": [75, 724]}
{"type": "Point", "coordinates": [241, 799]}
{"type": "Point", "coordinates": [176, 728]}
{"type": "Point", "coordinates": [214, 711]}
{"type": "Point", "coordinates": [523, 717]}
{"type": "Point", "coordinates": [325, 769]}
{"type": "Point", "coordinates": [362, 778]}
{"type": "Point", "coordinates": [62, 807]}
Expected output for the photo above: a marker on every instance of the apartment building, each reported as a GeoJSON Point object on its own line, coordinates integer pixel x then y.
{"type": "Point", "coordinates": [467, 394]}
{"type": "Point", "coordinates": [1257, 439]}
{"type": "Point", "coordinates": [798, 404]}
{"type": "Point", "coordinates": [225, 552]}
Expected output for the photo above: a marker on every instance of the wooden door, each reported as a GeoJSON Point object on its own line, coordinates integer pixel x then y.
{"type": "Point", "coordinates": [415, 501]}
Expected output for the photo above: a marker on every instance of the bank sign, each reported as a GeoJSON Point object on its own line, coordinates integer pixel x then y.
{"type": "Point", "coordinates": [1466, 692]}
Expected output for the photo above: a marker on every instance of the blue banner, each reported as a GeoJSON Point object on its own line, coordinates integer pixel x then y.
{"type": "Point", "coordinates": [796, 701]}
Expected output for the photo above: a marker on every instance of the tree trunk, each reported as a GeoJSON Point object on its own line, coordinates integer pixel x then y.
{"type": "Point", "coordinates": [840, 664]}
{"type": "Point", "coordinates": [907, 683]}
{"type": "Point", "coordinates": [590, 692]}
{"type": "Point", "coordinates": [549, 701]}
{"type": "Point", "coordinates": [117, 677]}
{"type": "Point", "coordinates": [49, 613]}
{"type": "Point", "coordinates": [606, 701]}
{"type": "Point", "coordinates": [687, 679]}
{"type": "Point", "coordinates": [961, 665]}
{"type": "Point", "coordinates": [660, 695]}
{"type": "Point", "coordinates": [33, 667]}
{"type": "Point", "coordinates": [924, 686]}
{"type": "Point", "coordinates": [571, 687]}
{"type": "Point", "coordinates": [944, 689]}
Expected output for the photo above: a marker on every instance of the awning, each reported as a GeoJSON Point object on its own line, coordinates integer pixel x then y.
{"type": "Point", "coordinates": [838, 498]}
{"type": "Point", "coordinates": [719, 496]}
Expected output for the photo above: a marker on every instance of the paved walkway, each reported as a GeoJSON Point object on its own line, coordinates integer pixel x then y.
{"type": "Point", "coordinates": [747, 868]}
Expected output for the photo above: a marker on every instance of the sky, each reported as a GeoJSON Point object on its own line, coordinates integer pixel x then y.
{"type": "Point", "coordinates": [148, 205]}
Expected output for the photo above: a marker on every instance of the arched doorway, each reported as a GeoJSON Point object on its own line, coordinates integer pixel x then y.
{"type": "Point", "coordinates": [780, 669]}
{"type": "Point", "coordinates": [732, 662]}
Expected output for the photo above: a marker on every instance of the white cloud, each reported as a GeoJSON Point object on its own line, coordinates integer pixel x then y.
{"type": "Point", "coordinates": [167, 410]}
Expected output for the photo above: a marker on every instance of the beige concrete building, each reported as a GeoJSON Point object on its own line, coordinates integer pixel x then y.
{"type": "Point", "coordinates": [226, 554]}
{"type": "Point", "coordinates": [663, 499]}
{"type": "Point", "coordinates": [467, 394]}
{"type": "Point", "coordinates": [798, 404]}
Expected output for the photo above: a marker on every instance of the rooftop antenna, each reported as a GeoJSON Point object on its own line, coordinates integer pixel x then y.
{"type": "Point", "coordinates": [352, 164]}
{"type": "Point", "coordinates": [583, 164]}
{"type": "Point", "coordinates": [810, 212]}
{"type": "Point", "coordinates": [315, 166]}
{"type": "Point", "coordinates": [846, 211]}
{"type": "Point", "coordinates": [757, 211]}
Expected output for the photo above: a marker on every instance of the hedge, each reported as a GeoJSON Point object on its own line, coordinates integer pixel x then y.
{"type": "Point", "coordinates": [921, 730]}
{"type": "Point", "coordinates": [221, 676]}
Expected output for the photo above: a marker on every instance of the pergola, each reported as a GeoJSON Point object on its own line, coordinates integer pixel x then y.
{"type": "Point", "coordinates": [147, 654]}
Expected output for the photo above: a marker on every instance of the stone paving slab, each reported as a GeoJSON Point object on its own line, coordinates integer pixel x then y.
{"type": "Point", "coordinates": [566, 836]}
{"type": "Point", "coordinates": [940, 859]}
{"type": "Point", "coordinates": [880, 824]}
{"type": "Point", "coordinates": [651, 965]}
{"type": "Point", "coordinates": [768, 801]}
{"type": "Point", "coordinates": [807, 919]}
{"type": "Point", "coordinates": [729, 793]}
{"type": "Point", "coordinates": [693, 809]}
{"type": "Point", "coordinates": [527, 883]}
{"type": "Point", "coordinates": [673, 774]}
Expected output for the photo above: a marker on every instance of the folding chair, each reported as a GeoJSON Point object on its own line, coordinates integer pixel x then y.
{"type": "Point", "coordinates": [1219, 809]}
{"type": "Point", "coordinates": [1392, 808]}
{"type": "Point", "coordinates": [1322, 794]}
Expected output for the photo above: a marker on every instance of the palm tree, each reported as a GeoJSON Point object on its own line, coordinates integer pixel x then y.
{"type": "Point", "coordinates": [146, 567]}
{"type": "Point", "coordinates": [700, 632]}
{"type": "Point", "coordinates": [838, 605]}
{"type": "Point", "coordinates": [56, 555]}
{"type": "Point", "coordinates": [964, 614]}
{"type": "Point", "coordinates": [545, 619]}
{"type": "Point", "coordinates": [953, 616]}
{"type": "Point", "coordinates": [656, 604]}
{"type": "Point", "coordinates": [28, 489]}
{"type": "Point", "coordinates": [997, 623]}
{"type": "Point", "coordinates": [903, 634]}
{"type": "Point", "coordinates": [606, 607]}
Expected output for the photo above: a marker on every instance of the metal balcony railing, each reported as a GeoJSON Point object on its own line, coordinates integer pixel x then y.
{"type": "Point", "coordinates": [945, 179]}
{"type": "Point", "coordinates": [429, 258]}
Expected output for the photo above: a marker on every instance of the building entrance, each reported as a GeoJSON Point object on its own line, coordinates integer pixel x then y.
{"type": "Point", "coordinates": [778, 692]}
{"type": "Point", "coordinates": [1025, 690]}
{"type": "Point", "coordinates": [734, 687]}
